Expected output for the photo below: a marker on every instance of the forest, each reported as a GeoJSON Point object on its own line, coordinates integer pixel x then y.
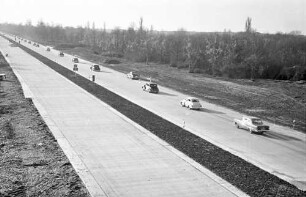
{"type": "Point", "coordinates": [247, 54]}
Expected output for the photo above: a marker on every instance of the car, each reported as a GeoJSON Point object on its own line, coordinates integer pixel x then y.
{"type": "Point", "coordinates": [75, 60]}
{"type": "Point", "coordinates": [95, 67]}
{"type": "Point", "coordinates": [29, 42]}
{"type": "Point", "coordinates": [48, 49]}
{"type": "Point", "coordinates": [191, 103]}
{"type": "Point", "coordinates": [252, 124]}
{"type": "Point", "coordinates": [150, 87]}
{"type": "Point", "coordinates": [61, 54]}
{"type": "Point", "coordinates": [37, 45]}
{"type": "Point", "coordinates": [133, 75]}
{"type": "Point", "coordinates": [75, 67]}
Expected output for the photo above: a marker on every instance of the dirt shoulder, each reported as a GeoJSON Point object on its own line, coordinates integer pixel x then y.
{"type": "Point", "coordinates": [32, 163]}
{"type": "Point", "coordinates": [280, 102]}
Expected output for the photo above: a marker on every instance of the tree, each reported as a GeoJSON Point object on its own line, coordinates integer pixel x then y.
{"type": "Point", "coordinates": [248, 25]}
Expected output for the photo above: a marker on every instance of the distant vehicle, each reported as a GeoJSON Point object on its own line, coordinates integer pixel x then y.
{"type": "Point", "coordinates": [37, 45]}
{"type": "Point", "coordinates": [191, 103]}
{"type": "Point", "coordinates": [133, 75]}
{"type": "Point", "coordinates": [150, 87]}
{"type": "Point", "coordinates": [252, 124]}
{"type": "Point", "coordinates": [75, 67]}
{"type": "Point", "coordinates": [75, 60]}
{"type": "Point", "coordinates": [29, 42]}
{"type": "Point", "coordinates": [95, 67]}
{"type": "Point", "coordinates": [34, 44]}
{"type": "Point", "coordinates": [48, 49]}
{"type": "Point", "coordinates": [61, 54]}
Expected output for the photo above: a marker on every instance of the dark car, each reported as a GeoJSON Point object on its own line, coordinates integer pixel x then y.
{"type": "Point", "coordinates": [61, 54]}
{"type": "Point", "coordinates": [48, 49]}
{"type": "Point", "coordinates": [133, 75]}
{"type": "Point", "coordinates": [75, 60]}
{"type": "Point", "coordinates": [95, 67]}
{"type": "Point", "coordinates": [150, 87]}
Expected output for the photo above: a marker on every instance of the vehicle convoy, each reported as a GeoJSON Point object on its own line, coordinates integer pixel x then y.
{"type": "Point", "coordinates": [252, 124]}
{"type": "Point", "coordinates": [133, 75]}
{"type": "Point", "coordinates": [95, 67]}
{"type": "Point", "coordinates": [191, 103]}
{"type": "Point", "coordinates": [150, 87]}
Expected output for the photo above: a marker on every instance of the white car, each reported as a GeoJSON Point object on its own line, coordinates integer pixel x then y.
{"type": "Point", "coordinates": [252, 124]}
{"type": "Point", "coordinates": [191, 103]}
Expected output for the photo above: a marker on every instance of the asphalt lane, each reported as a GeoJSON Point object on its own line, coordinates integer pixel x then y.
{"type": "Point", "coordinates": [123, 160]}
{"type": "Point", "coordinates": [281, 151]}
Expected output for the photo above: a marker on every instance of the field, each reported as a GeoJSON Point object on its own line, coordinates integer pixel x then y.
{"type": "Point", "coordinates": [31, 161]}
{"type": "Point", "coordinates": [245, 176]}
{"type": "Point", "coordinates": [280, 102]}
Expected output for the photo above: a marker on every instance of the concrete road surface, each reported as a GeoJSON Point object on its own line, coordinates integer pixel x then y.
{"type": "Point", "coordinates": [281, 151]}
{"type": "Point", "coordinates": [117, 156]}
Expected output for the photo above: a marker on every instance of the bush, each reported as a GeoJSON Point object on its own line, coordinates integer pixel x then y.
{"type": "Point", "coordinates": [111, 61]}
{"type": "Point", "coordinates": [112, 54]}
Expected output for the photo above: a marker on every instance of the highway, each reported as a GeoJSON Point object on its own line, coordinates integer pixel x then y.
{"type": "Point", "coordinates": [281, 151]}
{"type": "Point", "coordinates": [117, 157]}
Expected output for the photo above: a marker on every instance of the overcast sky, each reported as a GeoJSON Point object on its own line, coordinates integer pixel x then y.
{"type": "Point", "coordinates": [268, 16]}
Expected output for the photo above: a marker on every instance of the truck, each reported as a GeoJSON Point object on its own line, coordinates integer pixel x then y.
{"type": "Point", "coordinates": [252, 124]}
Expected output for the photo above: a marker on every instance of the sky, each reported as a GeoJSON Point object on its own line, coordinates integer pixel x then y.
{"type": "Point", "coordinates": [268, 16]}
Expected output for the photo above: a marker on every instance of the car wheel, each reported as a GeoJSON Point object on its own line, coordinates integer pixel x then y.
{"type": "Point", "coordinates": [237, 125]}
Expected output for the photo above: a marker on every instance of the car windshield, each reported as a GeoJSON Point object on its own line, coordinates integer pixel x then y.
{"type": "Point", "coordinates": [257, 121]}
{"type": "Point", "coordinates": [194, 100]}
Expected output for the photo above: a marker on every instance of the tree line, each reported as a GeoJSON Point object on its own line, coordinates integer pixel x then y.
{"type": "Point", "coordinates": [246, 54]}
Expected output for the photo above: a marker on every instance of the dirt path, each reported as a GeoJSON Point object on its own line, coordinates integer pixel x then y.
{"type": "Point", "coordinates": [32, 163]}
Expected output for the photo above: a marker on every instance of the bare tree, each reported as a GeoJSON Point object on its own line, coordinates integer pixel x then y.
{"type": "Point", "coordinates": [248, 25]}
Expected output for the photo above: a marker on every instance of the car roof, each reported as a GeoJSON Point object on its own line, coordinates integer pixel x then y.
{"type": "Point", "coordinates": [152, 83]}
{"type": "Point", "coordinates": [192, 98]}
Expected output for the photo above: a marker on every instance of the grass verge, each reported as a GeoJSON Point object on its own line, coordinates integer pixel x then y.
{"type": "Point", "coordinates": [245, 176]}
